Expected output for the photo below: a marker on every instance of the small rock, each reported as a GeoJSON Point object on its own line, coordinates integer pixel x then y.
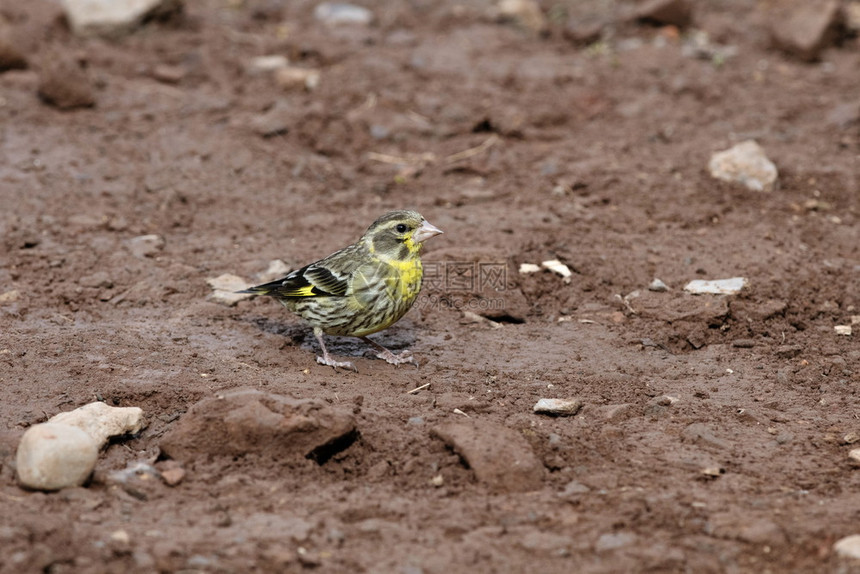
{"type": "Point", "coordinates": [97, 280]}
{"type": "Point", "coordinates": [10, 296]}
{"type": "Point", "coordinates": [845, 330]}
{"type": "Point", "coordinates": [743, 343]}
{"type": "Point", "coordinates": [746, 164]}
{"type": "Point", "coordinates": [574, 488]}
{"type": "Point", "coordinates": [64, 84]}
{"type": "Point", "coordinates": [712, 471]}
{"type": "Point", "coordinates": [854, 455]}
{"type": "Point", "coordinates": [657, 286]}
{"type": "Point", "coordinates": [145, 245]}
{"type": "Point", "coordinates": [470, 317]}
{"type": "Point", "coordinates": [172, 475]}
{"type": "Point", "coordinates": [114, 17]}
{"type": "Point", "coordinates": [291, 77]}
{"type": "Point", "coordinates": [500, 457]}
{"type": "Point", "coordinates": [848, 547]}
{"type": "Point", "coordinates": [335, 14]}
{"type": "Point", "coordinates": [266, 64]}
{"type": "Point", "coordinates": [666, 12]}
{"type": "Point", "coordinates": [275, 121]}
{"type": "Point", "coordinates": [226, 287]}
{"type": "Point", "coordinates": [52, 456]}
{"type": "Point", "coordinates": [253, 422]}
{"type": "Point", "coordinates": [804, 28]}
{"type": "Point", "coordinates": [558, 267]}
{"type": "Point", "coordinates": [102, 421]}
{"type": "Point", "coordinates": [614, 540]}
{"type": "Point", "coordinates": [702, 433]}
{"type": "Point", "coordinates": [583, 32]}
{"type": "Point", "coordinates": [850, 438]}
{"type": "Point", "coordinates": [11, 53]}
{"type": "Point", "coordinates": [525, 13]}
{"type": "Point", "coordinates": [529, 268]}
{"type": "Point", "coordinates": [168, 74]}
{"type": "Point", "coordinates": [730, 286]}
{"type": "Point", "coordinates": [558, 407]}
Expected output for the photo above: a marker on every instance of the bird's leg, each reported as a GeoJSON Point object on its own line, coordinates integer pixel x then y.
{"type": "Point", "coordinates": [327, 359]}
{"type": "Point", "coordinates": [388, 356]}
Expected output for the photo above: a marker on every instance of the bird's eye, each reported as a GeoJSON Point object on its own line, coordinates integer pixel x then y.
{"type": "Point", "coordinates": [401, 228]}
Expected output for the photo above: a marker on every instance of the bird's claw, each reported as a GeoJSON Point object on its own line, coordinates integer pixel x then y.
{"type": "Point", "coordinates": [397, 359]}
{"type": "Point", "coordinates": [330, 362]}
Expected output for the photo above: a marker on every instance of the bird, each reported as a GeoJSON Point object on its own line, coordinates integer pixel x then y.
{"type": "Point", "coordinates": [361, 289]}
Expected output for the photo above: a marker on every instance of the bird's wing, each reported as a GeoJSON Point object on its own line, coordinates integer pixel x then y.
{"type": "Point", "coordinates": [329, 277]}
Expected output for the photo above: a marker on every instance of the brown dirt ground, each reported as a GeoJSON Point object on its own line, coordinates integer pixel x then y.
{"type": "Point", "coordinates": [595, 155]}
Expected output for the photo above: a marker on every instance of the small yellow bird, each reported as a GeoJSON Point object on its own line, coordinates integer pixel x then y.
{"type": "Point", "coordinates": [361, 289]}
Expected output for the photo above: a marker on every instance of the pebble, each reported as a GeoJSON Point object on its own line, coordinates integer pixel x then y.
{"type": "Point", "coordinates": [657, 286]}
{"type": "Point", "coordinates": [145, 245]}
{"type": "Point", "coordinates": [854, 455]}
{"type": "Point", "coordinates": [745, 163]}
{"type": "Point", "coordinates": [845, 330]}
{"type": "Point", "coordinates": [529, 268]}
{"type": "Point", "coordinates": [743, 343]}
{"type": "Point", "coordinates": [558, 267]}
{"type": "Point", "coordinates": [848, 547]}
{"type": "Point", "coordinates": [113, 17]}
{"type": "Point", "coordinates": [803, 28]}
{"type": "Point", "coordinates": [52, 456]}
{"type": "Point", "coordinates": [524, 13]}
{"type": "Point", "coordinates": [666, 12]}
{"type": "Point", "coordinates": [11, 54]}
{"type": "Point", "coordinates": [64, 84]}
{"type": "Point", "coordinates": [10, 296]}
{"type": "Point", "coordinates": [335, 14]}
{"type": "Point", "coordinates": [96, 280]}
{"type": "Point", "coordinates": [266, 64]}
{"type": "Point", "coordinates": [291, 77]}
{"type": "Point", "coordinates": [558, 407]}
{"type": "Point", "coordinates": [730, 286]}
{"type": "Point", "coordinates": [225, 287]}
{"type": "Point", "coordinates": [102, 421]}
{"type": "Point", "coordinates": [275, 121]}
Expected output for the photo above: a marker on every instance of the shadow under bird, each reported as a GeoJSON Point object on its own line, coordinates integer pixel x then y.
{"type": "Point", "coordinates": [361, 289]}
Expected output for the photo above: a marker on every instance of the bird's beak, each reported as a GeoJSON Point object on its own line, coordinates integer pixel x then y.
{"type": "Point", "coordinates": [426, 231]}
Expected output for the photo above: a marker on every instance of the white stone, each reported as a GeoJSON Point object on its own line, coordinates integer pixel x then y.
{"type": "Point", "coordinates": [263, 64]}
{"type": "Point", "coordinates": [292, 77]}
{"type": "Point", "coordinates": [557, 266]}
{"type": "Point", "coordinates": [849, 547]}
{"type": "Point", "coordinates": [562, 407]}
{"type": "Point", "coordinates": [111, 17]}
{"type": "Point", "coordinates": [225, 287]}
{"type": "Point", "coordinates": [658, 286]}
{"type": "Point", "coordinates": [336, 13]}
{"type": "Point", "coordinates": [729, 286]}
{"type": "Point", "coordinates": [746, 164]}
{"type": "Point", "coordinates": [529, 268]}
{"type": "Point", "coordinates": [843, 330]}
{"type": "Point", "coordinates": [102, 421]}
{"type": "Point", "coordinates": [854, 455]}
{"type": "Point", "coordinates": [526, 13]}
{"type": "Point", "coordinates": [52, 456]}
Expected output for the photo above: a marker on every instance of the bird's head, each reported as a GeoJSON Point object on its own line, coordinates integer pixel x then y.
{"type": "Point", "coordinates": [398, 235]}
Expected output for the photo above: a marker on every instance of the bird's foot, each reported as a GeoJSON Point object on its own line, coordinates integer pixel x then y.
{"type": "Point", "coordinates": [397, 359]}
{"type": "Point", "coordinates": [328, 360]}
